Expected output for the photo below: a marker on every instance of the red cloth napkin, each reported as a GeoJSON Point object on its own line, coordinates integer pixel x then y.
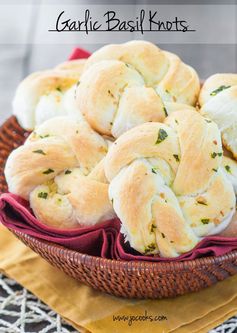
{"type": "Point", "coordinates": [102, 240]}
{"type": "Point", "coordinates": [79, 53]}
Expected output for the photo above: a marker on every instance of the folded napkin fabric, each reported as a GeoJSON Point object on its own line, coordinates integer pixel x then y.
{"type": "Point", "coordinates": [78, 53]}
{"type": "Point", "coordinates": [102, 240]}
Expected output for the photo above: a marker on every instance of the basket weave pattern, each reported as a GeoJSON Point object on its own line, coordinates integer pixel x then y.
{"type": "Point", "coordinates": [135, 279]}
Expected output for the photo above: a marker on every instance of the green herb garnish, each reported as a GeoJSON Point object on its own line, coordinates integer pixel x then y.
{"type": "Point", "coordinates": [153, 227]}
{"type": "Point", "coordinates": [59, 89]}
{"type": "Point", "coordinates": [44, 136]}
{"type": "Point", "coordinates": [162, 135]}
{"type": "Point", "coordinates": [67, 172]}
{"type": "Point", "coordinates": [48, 171]}
{"type": "Point", "coordinates": [154, 170]}
{"type": "Point", "coordinates": [228, 169]}
{"type": "Point", "coordinates": [163, 235]}
{"type": "Point", "coordinates": [176, 157]}
{"type": "Point", "coordinates": [43, 195]}
{"type": "Point", "coordinates": [214, 170]}
{"type": "Point", "coordinates": [165, 111]}
{"type": "Point", "coordinates": [215, 92]}
{"type": "Point", "coordinates": [214, 154]}
{"type": "Point", "coordinates": [205, 221]}
{"type": "Point", "coordinates": [39, 151]}
{"type": "Point", "coordinates": [151, 247]}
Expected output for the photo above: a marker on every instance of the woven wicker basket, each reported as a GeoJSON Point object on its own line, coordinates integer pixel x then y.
{"type": "Point", "coordinates": [121, 278]}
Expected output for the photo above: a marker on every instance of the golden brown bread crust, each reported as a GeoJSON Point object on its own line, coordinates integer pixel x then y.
{"type": "Point", "coordinates": [112, 96]}
{"type": "Point", "coordinates": [125, 85]}
{"type": "Point", "coordinates": [160, 69]}
{"type": "Point", "coordinates": [52, 170]}
{"type": "Point", "coordinates": [167, 184]}
{"type": "Point", "coordinates": [49, 89]}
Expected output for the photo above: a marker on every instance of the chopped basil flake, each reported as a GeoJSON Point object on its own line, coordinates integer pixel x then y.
{"type": "Point", "coordinates": [43, 195]}
{"type": "Point", "coordinates": [153, 226]}
{"type": "Point", "coordinates": [78, 82]}
{"type": "Point", "coordinates": [176, 121]}
{"type": "Point", "coordinates": [215, 92]}
{"type": "Point", "coordinates": [162, 135]}
{"type": "Point", "coordinates": [67, 172]}
{"type": "Point", "coordinates": [176, 157]}
{"type": "Point", "coordinates": [59, 89]}
{"type": "Point", "coordinates": [48, 171]}
{"type": "Point", "coordinates": [154, 170]}
{"type": "Point", "coordinates": [214, 170]}
{"type": "Point", "coordinates": [208, 121]}
{"type": "Point", "coordinates": [163, 235]}
{"type": "Point", "coordinates": [39, 151]}
{"type": "Point", "coordinates": [228, 169]}
{"type": "Point", "coordinates": [165, 111]}
{"type": "Point", "coordinates": [151, 247]}
{"type": "Point", "coordinates": [214, 154]}
{"type": "Point", "coordinates": [44, 136]}
{"type": "Point", "coordinates": [205, 221]}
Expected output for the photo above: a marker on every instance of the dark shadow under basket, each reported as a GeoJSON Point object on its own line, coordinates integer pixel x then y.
{"type": "Point", "coordinates": [134, 279]}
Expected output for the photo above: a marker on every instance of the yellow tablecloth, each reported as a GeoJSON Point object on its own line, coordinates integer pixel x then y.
{"type": "Point", "coordinates": [89, 310]}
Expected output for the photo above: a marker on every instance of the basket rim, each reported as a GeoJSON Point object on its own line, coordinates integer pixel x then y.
{"type": "Point", "coordinates": [166, 266]}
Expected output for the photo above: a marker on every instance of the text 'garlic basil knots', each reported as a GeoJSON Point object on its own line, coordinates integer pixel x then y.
{"type": "Point", "coordinates": [126, 85]}
{"type": "Point", "coordinates": [47, 94]}
{"type": "Point", "coordinates": [167, 185]}
{"type": "Point", "coordinates": [218, 101]}
{"type": "Point", "coordinates": [59, 170]}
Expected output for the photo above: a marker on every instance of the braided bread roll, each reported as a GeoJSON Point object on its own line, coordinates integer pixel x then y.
{"type": "Point", "coordinates": [46, 94]}
{"type": "Point", "coordinates": [167, 184]}
{"type": "Point", "coordinates": [125, 85]}
{"type": "Point", "coordinates": [218, 101]}
{"type": "Point", "coordinates": [59, 170]}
